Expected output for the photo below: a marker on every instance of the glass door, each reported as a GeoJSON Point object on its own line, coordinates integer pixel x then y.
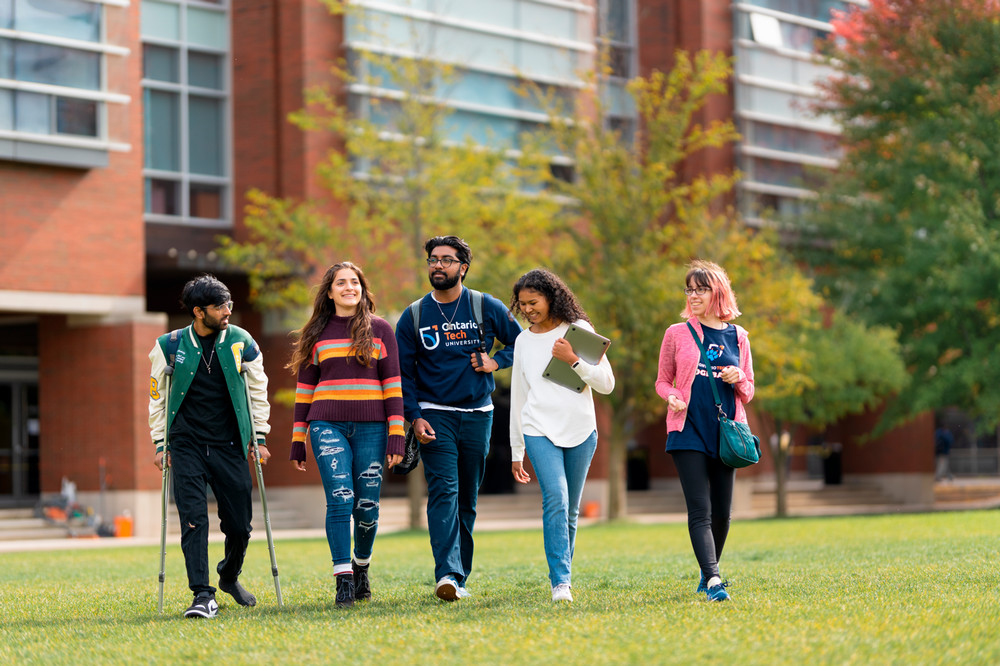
{"type": "Point", "coordinates": [19, 433]}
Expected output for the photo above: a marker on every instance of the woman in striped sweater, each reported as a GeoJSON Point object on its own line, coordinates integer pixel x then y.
{"type": "Point", "coordinates": [349, 406]}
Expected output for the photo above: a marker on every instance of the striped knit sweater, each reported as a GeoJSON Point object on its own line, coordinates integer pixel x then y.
{"type": "Point", "coordinates": [335, 387]}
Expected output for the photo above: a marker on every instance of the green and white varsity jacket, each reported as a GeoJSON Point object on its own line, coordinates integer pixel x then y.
{"type": "Point", "coordinates": [241, 361]}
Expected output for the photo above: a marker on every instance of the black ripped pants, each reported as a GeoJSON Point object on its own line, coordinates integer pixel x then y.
{"type": "Point", "coordinates": [708, 491]}
{"type": "Point", "coordinates": [194, 467]}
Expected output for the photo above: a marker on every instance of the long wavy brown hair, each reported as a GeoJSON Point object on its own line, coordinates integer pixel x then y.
{"type": "Point", "coordinates": [362, 338]}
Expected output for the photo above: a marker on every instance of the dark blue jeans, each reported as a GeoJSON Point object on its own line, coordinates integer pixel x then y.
{"type": "Point", "coordinates": [454, 465]}
{"type": "Point", "coordinates": [350, 458]}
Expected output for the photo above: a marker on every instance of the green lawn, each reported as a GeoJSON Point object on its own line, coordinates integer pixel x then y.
{"type": "Point", "coordinates": [906, 589]}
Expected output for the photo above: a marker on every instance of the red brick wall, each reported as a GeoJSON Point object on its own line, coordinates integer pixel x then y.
{"type": "Point", "coordinates": [279, 49]}
{"type": "Point", "coordinates": [93, 403]}
{"type": "Point", "coordinates": [81, 230]}
{"type": "Point", "coordinates": [907, 449]}
{"type": "Point", "coordinates": [668, 25]}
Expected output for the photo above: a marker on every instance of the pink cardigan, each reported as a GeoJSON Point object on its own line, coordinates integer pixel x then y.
{"type": "Point", "coordinates": [679, 356]}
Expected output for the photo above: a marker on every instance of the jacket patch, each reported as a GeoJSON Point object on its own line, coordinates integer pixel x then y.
{"type": "Point", "coordinates": [154, 389]}
{"type": "Point", "coordinates": [179, 359]}
{"type": "Point", "coordinates": [237, 350]}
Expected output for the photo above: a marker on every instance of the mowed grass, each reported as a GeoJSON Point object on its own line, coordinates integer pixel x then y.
{"type": "Point", "coordinates": [901, 589]}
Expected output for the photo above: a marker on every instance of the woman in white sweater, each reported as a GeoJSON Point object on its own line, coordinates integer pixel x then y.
{"type": "Point", "coordinates": [555, 425]}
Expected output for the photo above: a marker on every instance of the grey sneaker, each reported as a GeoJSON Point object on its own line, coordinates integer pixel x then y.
{"type": "Point", "coordinates": [203, 606]}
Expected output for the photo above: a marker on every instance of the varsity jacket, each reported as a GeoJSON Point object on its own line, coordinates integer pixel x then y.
{"type": "Point", "coordinates": [241, 361]}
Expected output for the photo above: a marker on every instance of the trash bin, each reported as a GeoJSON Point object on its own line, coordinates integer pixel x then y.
{"type": "Point", "coordinates": [833, 473]}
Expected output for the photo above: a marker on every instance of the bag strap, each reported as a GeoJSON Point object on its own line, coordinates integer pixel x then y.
{"type": "Point", "coordinates": [477, 314]}
{"type": "Point", "coordinates": [415, 314]}
{"type": "Point", "coordinates": [173, 342]}
{"type": "Point", "coordinates": [708, 367]}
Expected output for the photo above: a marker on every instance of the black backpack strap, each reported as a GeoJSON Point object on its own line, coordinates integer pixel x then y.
{"type": "Point", "coordinates": [415, 314]}
{"type": "Point", "coordinates": [173, 342]}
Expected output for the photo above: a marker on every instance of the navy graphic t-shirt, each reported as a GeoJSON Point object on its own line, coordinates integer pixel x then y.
{"type": "Point", "coordinates": [701, 429]}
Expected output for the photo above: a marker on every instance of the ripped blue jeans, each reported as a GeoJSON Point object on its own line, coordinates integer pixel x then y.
{"type": "Point", "coordinates": [351, 459]}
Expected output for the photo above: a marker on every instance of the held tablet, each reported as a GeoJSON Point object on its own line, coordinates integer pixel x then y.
{"type": "Point", "coordinates": [589, 346]}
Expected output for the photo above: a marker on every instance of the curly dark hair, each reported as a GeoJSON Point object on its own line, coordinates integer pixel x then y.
{"type": "Point", "coordinates": [562, 302]}
{"type": "Point", "coordinates": [362, 338]}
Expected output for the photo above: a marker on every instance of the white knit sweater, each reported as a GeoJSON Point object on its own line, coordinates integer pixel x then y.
{"type": "Point", "coordinates": [542, 407]}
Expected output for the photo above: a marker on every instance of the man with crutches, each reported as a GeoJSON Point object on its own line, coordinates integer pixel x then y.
{"type": "Point", "coordinates": [201, 410]}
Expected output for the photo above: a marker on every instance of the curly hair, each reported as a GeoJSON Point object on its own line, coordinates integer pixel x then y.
{"type": "Point", "coordinates": [362, 338]}
{"type": "Point", "coordinates": [563, 305]}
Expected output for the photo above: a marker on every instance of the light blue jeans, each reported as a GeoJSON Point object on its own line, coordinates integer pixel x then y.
{"type": "Point", "coordinates": [350, 458]}
{"type": "Point", "coordinates": [561, 474]}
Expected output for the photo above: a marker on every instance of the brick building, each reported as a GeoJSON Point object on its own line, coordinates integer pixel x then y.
{"type": "Point", "coordinates": [130, 131]}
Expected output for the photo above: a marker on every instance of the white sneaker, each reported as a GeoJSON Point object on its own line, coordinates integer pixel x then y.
{"type": "Point", "coordinates": [561, 592]}
{"type": "Point", "coordinates": [463, 593]}
{"type": "Point", "coordinates": [446, 589]}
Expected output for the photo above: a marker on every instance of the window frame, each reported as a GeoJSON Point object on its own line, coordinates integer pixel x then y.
{"type": "Point", "coordinates": [52, 147]}
{"type": "Point", "coordinates": [184, 178]}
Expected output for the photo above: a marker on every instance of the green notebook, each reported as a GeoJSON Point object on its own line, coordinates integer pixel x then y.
{"type": "Point", "coordinates": [589, 346]}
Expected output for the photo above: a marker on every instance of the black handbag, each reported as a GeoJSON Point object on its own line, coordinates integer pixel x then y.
{"type": "Point", "coordinates": [738, 447]}
{"type": "Point", "coordinates": [411, 454]}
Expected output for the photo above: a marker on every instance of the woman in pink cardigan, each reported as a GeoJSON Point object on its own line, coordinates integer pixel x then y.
{"type": "Point", "coordinates": [692, 418]}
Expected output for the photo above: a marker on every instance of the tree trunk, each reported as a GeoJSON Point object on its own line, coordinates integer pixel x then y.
{"type": "Point", "coordinates": [780, 449]}
{"type": "Point", "coordinates": [617, 482]}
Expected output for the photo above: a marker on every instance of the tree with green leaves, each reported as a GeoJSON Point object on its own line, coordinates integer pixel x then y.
{"type": "Point", "coordinates": [397, 179]}
{"type": "Point", "coordinates": [907, 233]}
{"type": "Point", "coordinates": [639, 226]}
{"type": "Point", "coordinates": [849, 368]}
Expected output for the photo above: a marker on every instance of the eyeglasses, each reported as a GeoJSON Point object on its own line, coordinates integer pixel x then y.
{"type": "Point", "coordinates": [227, 305]}
{"type": "Point", "coordinates": [701, 291]}
{"type": "Point", "coordinates": [447, 262]}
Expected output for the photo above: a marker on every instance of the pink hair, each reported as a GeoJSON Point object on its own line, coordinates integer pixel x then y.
{"type": "Point", "coordinates": [723, 300]}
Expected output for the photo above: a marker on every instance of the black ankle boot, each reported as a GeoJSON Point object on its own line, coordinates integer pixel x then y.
{"type": "Point", "coordinates": [345, 590]}
{"type": "Point", "coordinates": [362, 587]}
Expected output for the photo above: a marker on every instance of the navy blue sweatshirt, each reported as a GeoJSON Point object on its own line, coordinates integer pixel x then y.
{"type": "Point", "coordinates": [438, 369]}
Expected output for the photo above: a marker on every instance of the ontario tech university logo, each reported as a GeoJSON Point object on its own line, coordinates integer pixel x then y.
{"type": "Point", "coordinates": [430, 340]}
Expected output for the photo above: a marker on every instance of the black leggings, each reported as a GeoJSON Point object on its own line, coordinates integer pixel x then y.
{"type": "Point", "coordinates": [708, 492]}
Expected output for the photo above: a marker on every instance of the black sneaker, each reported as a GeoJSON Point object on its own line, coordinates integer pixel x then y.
{"type": "Point", "coordinates": [362, 586]}
{"type": "Point", "coordinates": [238, 592]}
{"type": "Point", "coordinates": [345, 590]}
{"type": "Point", "coordinates": [203, 606]}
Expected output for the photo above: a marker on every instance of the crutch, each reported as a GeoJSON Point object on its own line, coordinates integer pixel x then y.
{"type": "Point", "coordinates": [263, 496]}
{"type": "Point", "coordinates": [167, 372]}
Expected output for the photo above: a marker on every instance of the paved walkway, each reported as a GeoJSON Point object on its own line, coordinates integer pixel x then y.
{"type": "Point", "coordinates": [960, 494]}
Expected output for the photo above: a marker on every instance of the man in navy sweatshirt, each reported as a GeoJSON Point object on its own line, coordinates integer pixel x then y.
{"type": "Point", "coordinates": [447, 384]}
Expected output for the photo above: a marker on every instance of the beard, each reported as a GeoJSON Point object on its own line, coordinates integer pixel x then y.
{"type": "Point", "coordinates": [216, 324]}
{"type": "Point", "coordinates": [444, 282]}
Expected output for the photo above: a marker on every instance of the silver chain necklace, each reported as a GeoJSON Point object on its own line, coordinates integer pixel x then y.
{"type": "Point", "coordinates": [453, 314]}
{"type": "Point", "coordinates": [208, 363]}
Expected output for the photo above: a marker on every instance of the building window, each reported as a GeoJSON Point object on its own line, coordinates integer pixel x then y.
{"type": "Point", "coordinates": [615, 29]}
{"type": "Point", "coordinates": [186, 89]}
{"type": "Point", "coordinates": [53, 83]}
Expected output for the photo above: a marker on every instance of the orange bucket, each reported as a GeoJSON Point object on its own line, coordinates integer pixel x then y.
{"type": "Point", "coordinates": [123, 526]}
